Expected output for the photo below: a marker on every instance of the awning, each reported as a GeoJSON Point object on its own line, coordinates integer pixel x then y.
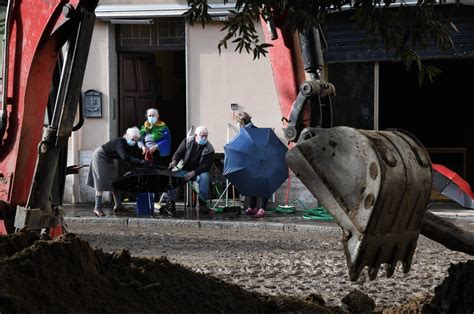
{"type": "Point", "coordinates": [151, 10]}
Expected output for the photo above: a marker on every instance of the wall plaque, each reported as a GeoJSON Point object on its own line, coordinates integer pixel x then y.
{"type": "Point", "coordinates": [93, 104]}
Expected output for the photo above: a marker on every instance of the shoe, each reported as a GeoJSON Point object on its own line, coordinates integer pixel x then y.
{"type": "Point", "coordinates": [203, 209]}
{"type": "Point", "coordinates": [261, 213]}
{"type": "Point", "coordinates": [99, 212]}
{"type": "Point", "coordinates": [120, 209]}
{"type": "Point", "coordinates": [251, 211]}
{"type": "Point", "coordinates": [170, 207]}
{"type": "Point", "coordinates": [166, 210]}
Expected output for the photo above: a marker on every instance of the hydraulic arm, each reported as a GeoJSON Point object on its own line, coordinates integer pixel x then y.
{"type": "Point", "coordinates": [38, 32]}
{"type": "Point", "coordinates": [376, 184]}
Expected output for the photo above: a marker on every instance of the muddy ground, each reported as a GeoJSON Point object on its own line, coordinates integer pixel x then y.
{"type": "Point", "coordinates": [223, 271]}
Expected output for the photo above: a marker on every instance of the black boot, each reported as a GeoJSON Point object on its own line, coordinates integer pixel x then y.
{"type": "Point", "coordinates": [203, 209]}
{"type": "Point", "coordinates": [168, 209]}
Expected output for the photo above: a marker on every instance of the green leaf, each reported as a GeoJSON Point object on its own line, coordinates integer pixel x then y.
{"type": "Point", "coordinates": [400, 29]}
{"type": "Point", "coordinates": [421, 77]}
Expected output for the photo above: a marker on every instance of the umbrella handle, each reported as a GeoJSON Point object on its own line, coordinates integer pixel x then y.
{"type": "Point", "coordinates": [233, 195]}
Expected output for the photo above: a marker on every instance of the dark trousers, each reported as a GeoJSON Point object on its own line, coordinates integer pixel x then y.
{"type": "Point", "coordinates": [253, 202]}
{"type": "Point", "coordinates": [160, 162]}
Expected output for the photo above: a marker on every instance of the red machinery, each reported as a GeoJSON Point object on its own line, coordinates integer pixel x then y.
{"type": "Point", "coordinates": [37, 33]}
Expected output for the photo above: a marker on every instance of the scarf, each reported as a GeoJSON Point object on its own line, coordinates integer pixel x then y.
{"type": "Point", "coordinates": [157, 130]}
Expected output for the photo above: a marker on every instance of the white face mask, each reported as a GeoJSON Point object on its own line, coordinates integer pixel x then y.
{"type": "Point", "coordinates": [152, 119]}
{"type": "Point", "coordinates": [201, 140]}
{"type": "Point", "coordinates": [131, 142]}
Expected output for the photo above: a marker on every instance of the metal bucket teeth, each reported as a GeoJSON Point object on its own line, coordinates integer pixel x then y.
{"type": "Point", "coordinates": [376, 184]}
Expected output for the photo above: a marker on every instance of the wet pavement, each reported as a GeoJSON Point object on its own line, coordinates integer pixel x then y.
{"type": "Point", "coordinates": [192, 214]}
{"type": "Point", "coordinates": [448, 210]}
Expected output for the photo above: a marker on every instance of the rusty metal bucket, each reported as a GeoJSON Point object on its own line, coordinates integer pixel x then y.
{"type": "Point", "coordinates": [377, 186]}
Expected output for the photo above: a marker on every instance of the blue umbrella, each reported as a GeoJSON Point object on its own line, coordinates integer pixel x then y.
{"type": "Point", "coordinates": [255, 162]}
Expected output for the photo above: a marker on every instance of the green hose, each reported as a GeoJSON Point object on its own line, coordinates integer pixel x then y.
{"type": "Point", "coordinates": [318, 213]}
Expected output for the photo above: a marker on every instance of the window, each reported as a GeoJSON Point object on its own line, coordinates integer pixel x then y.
{"type": "Point", "coordinates": [165, 33]}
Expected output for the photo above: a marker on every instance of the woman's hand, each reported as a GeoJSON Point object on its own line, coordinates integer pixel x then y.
{"type": "Point", "coordinates": [153, 148]}
{"type": "Point", "coordinates": [144, 149]}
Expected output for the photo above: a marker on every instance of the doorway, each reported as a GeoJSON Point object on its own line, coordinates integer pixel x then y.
{"type": "Point", "coordinates": [439, 114]}
{"type": "Point", "coordinates": [153, 80]}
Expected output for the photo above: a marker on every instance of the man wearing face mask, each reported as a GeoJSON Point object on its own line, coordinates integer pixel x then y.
{"type": "Point", "coordinates": [155, 141]}
{"type": "Point", "coordinates": [197, 155]}
{"type": "Point", "coordinates": [103, 170]}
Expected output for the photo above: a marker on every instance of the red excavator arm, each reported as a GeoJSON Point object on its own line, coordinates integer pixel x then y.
{"type": "Point", "coordinates": [37, 33]}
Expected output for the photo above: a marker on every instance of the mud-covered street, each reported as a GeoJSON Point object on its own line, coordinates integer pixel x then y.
{"type": "Point", "coordinates": [277, 262]}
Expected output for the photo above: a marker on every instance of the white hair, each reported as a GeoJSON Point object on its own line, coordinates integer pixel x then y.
{"type": "Point", "coordinates": [199, 129]}
{"type": "Point", "coordinates": [153, 110]}
{"type": "Point", "coordinates": [132, 132]}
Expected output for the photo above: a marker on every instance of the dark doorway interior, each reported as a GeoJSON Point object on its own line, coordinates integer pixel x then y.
{"type": "Point", "coordinates": [153, 80]}
{"type": "Point", "coordinates": [439, 114]}
{"type": "Point", "coordinates": [171, 92]}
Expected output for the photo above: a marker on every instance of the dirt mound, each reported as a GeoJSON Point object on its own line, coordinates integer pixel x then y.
{"type": "Point", "coordinates": [456, 293]}
{"type": "Point", "coordinates": [358, 302]}
{"type": "Point", "coordinates": [67, 275]}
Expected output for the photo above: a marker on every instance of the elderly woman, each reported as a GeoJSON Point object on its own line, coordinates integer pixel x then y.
{"type": "Point", "coordinates": [155, 141]}
{"type": "Point", "coordinates": [103, 170]}
{"type": "Point", "coordinates": [244, 120]}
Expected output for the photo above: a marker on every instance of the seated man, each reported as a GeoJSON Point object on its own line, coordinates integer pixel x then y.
{"type": "Point", "coordinates": [197, 154]}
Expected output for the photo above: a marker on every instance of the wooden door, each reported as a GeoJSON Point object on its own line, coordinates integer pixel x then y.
{"type": "Point", "coordinates": [137, 88]}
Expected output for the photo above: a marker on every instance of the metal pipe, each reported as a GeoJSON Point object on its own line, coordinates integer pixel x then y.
{"type": "Point", "coordinates": [307, 52]}
{"type": "Point", "coordinates": [65, 108]}
{"type": "Point", "coordinates": [318, 50]}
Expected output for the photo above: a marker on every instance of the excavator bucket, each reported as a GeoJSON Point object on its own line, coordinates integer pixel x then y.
{"type": "Point", "coordinates": [376, 184]}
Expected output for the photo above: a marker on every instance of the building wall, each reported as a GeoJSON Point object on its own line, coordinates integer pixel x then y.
{"type": "Point", "coordinates": [215, 81]}
{"type": "Point", "coordinates": [96, 131]}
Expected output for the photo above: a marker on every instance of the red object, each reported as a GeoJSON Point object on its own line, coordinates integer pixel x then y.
{"type": "Point", "coordinates": [56, 231]}
{"type": "Point", "coordinates": [284, 67]}
{"type": "Point", "coordinates": [453, 186]}
{"type": "Point", "coordinates": [149, 156]}
{"type": "Point", "coordinates": [455, 178]}
{"type": "Point", "coordinates": [3, 229]}
{"type": "Point", "coordinates": [33, 50]}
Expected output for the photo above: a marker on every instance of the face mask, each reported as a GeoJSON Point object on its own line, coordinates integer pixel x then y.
{"type": "Point", "coordinates": [202, 141]}
{"type": "Point", "coordinates": [131, 142]}
{"type": "Point", "coordinates": [152, 120]}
